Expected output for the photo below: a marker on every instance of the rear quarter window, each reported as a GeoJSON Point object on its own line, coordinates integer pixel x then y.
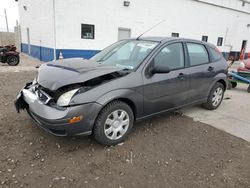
{"type": "Point", "coordinates": [215, 54]}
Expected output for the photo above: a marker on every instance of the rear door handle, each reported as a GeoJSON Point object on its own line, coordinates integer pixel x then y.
{"type": "Point", "coordinates": [181, 76]}
{"type": "Point", "coordinates": [210, 68]}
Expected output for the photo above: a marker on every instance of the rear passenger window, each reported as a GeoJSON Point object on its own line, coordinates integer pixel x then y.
{"type": "Point", "coordinates": [171, 56]}
{"type": "Point", "coordinates": [197, 53]}
{"type": "Point", "coordinates": [215, 54]}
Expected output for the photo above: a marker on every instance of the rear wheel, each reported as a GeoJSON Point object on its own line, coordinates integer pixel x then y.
{"type": "Point", "coordinates": [12, 60]}
{"type": "Point", "coordinates": [215, 97]}
{"type": "Point", "coordinates": [114, 123]}
{"type": "Point", "coordinates": [248, 89]}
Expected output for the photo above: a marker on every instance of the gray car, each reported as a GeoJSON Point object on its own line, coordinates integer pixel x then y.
{"type": "Point", "coordinates": [126, 82]}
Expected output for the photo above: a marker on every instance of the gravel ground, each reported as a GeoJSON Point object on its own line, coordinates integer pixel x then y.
{"type": "Point", "coordinates": [166, 151]}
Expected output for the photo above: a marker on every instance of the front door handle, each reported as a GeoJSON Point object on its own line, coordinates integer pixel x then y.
{"type": "Point", "coordinates": [181, 76]}
{"type": "Point", "coordinates": [210, 68]}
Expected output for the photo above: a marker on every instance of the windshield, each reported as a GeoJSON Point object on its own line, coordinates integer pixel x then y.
{"type": "Point", "coordinates": [128, 54]}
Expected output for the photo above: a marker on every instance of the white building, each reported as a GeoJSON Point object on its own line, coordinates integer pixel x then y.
{"type": "Point", "coordinates": [80, 28]}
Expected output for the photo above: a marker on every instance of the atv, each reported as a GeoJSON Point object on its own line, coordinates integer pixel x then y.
{"type": "Point", "coordinates": [9, 55]}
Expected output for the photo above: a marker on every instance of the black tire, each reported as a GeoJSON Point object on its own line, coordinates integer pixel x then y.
{"type": "Point", "coordinates": [12, 60]}
{"type": "Point", "coordinates": [210, 105]}
{"type": "Point", "coordinates": [107, 113]}
{"type": "Point", "coordinates": [234, 84]}
{"type": "Point", "coordinates": [248, 89]}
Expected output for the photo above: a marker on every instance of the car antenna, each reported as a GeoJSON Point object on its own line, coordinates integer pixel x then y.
{"type": "Point", "coordinates": [150, 29]}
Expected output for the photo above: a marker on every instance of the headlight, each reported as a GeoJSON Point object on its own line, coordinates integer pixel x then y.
{"type": "Point", "coordinates": [65, 98]}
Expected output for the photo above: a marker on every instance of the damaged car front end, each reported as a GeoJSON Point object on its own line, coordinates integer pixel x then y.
{"type": "Point", "coordinates": [54, 106]}
{"type": "Point", "coordinates": [60, 121]}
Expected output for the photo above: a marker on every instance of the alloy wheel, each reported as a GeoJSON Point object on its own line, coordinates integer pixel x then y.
{"type": "Point", "coordinates": [217, 96]}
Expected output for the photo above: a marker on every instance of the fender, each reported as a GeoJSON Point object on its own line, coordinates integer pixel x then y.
{"type": "Point", "coordinates": [127, 95]}
{"type": "Point", "coordinates": [218, 77]}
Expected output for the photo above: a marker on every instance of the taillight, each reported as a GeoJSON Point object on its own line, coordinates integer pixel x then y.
{"type": "Point", "coordinates": [218, 51]}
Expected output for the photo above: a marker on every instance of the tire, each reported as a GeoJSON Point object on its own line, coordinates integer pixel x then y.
{"type": "Point", "coordinates": [234, 84]}
{"type": "Point", "coordinates": [215, 97]}
{"type": "Point", "coordinates": [12, 60]}
{"type": "Point", "coordinates": [113, 123]}
{"type": "Point", "coordinates": [248, 89]}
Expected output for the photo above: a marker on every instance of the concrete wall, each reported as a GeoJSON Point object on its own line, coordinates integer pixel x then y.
{"type": "Point", "coordinates": [7, 38]}
{"type": "Point", "coordinates": [232, 4]}
{"type": "Point", "coordinates": [37, 15]}
{"type": "Point", "coordinates": [189, 18]}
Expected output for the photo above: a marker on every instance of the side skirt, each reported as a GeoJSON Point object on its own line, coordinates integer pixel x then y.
{"type": "Point", "coordinates": [170, 110]}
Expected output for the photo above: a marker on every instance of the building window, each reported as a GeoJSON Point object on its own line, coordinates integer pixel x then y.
{"type": "Point", "coordinates": [175, 34]}
{"type": "Point", "coordinates": [204, 38]}
{"type": "Point", "coordinates": [243, 3]}
{"type": "Point", "coordinates": [219, 41]}
{"type": "Point", "coordinates": [88, 31]}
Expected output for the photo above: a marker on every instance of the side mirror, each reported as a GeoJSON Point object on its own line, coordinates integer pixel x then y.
{"type": "Point", "coordinates": [157, 69]}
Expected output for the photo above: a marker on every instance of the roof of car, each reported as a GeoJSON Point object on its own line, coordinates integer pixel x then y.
{"type": "Point", "coordinates": [168, 39]}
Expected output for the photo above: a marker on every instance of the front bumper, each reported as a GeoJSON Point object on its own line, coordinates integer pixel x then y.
{"type": "Point", "coordinates": [56, 120]}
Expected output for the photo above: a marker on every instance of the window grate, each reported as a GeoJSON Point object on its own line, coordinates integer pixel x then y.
{"type": "Point", "coordinates": [87, 31]}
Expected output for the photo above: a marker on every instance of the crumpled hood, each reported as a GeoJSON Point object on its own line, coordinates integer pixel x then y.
{"type": "Point", "coordinates": [54, 75]}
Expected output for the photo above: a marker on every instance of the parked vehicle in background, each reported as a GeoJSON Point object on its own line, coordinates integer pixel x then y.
{"type": "Point", "coordinates": [128, 81]}
{"type": "Point", "coordinates": [8, 54]}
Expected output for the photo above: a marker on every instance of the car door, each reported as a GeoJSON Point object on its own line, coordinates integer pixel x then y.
{"type": "Point", "coordinates": [200, 71]}
{"type": "Point", "coordinates": [168, 90]}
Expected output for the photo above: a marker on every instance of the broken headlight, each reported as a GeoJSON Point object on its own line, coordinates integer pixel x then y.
{"type": "Point", "coordinates": [65, 98]}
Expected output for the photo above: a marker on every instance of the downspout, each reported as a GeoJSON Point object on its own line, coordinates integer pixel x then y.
{"type": "Point", "coordinates": [54, 20]}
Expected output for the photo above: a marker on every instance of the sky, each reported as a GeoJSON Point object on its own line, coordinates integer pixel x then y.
{"type": "Point", "coordinates": [12, 14]}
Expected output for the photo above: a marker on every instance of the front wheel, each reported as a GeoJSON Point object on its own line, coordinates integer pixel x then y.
{"type": "Point", "coordinates": [114, 123]}
{"type": "Point", "coordinates": [13, 60]}
{"type": "Point", "coordinates": [215, 97]}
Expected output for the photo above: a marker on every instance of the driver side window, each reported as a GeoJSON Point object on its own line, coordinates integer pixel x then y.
{"type": "Point", "coordinates": [171, 56]}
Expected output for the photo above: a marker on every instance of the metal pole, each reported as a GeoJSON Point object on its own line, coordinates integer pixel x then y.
{"type": "Point", "coordinates": [54, 17]}
{"type": "Point", "coordinates": [7, 26]}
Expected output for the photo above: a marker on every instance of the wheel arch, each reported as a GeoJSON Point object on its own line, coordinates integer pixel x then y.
{"type": "Point", "coordinates": [129, 102]}
{"type": "Point", "coordinates": [130, 97]}
{"type": "Point", "coordinates": [223, 82]}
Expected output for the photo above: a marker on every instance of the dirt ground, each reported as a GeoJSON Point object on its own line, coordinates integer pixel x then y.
{"type": "Point", "coordinates": [166, 151]}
